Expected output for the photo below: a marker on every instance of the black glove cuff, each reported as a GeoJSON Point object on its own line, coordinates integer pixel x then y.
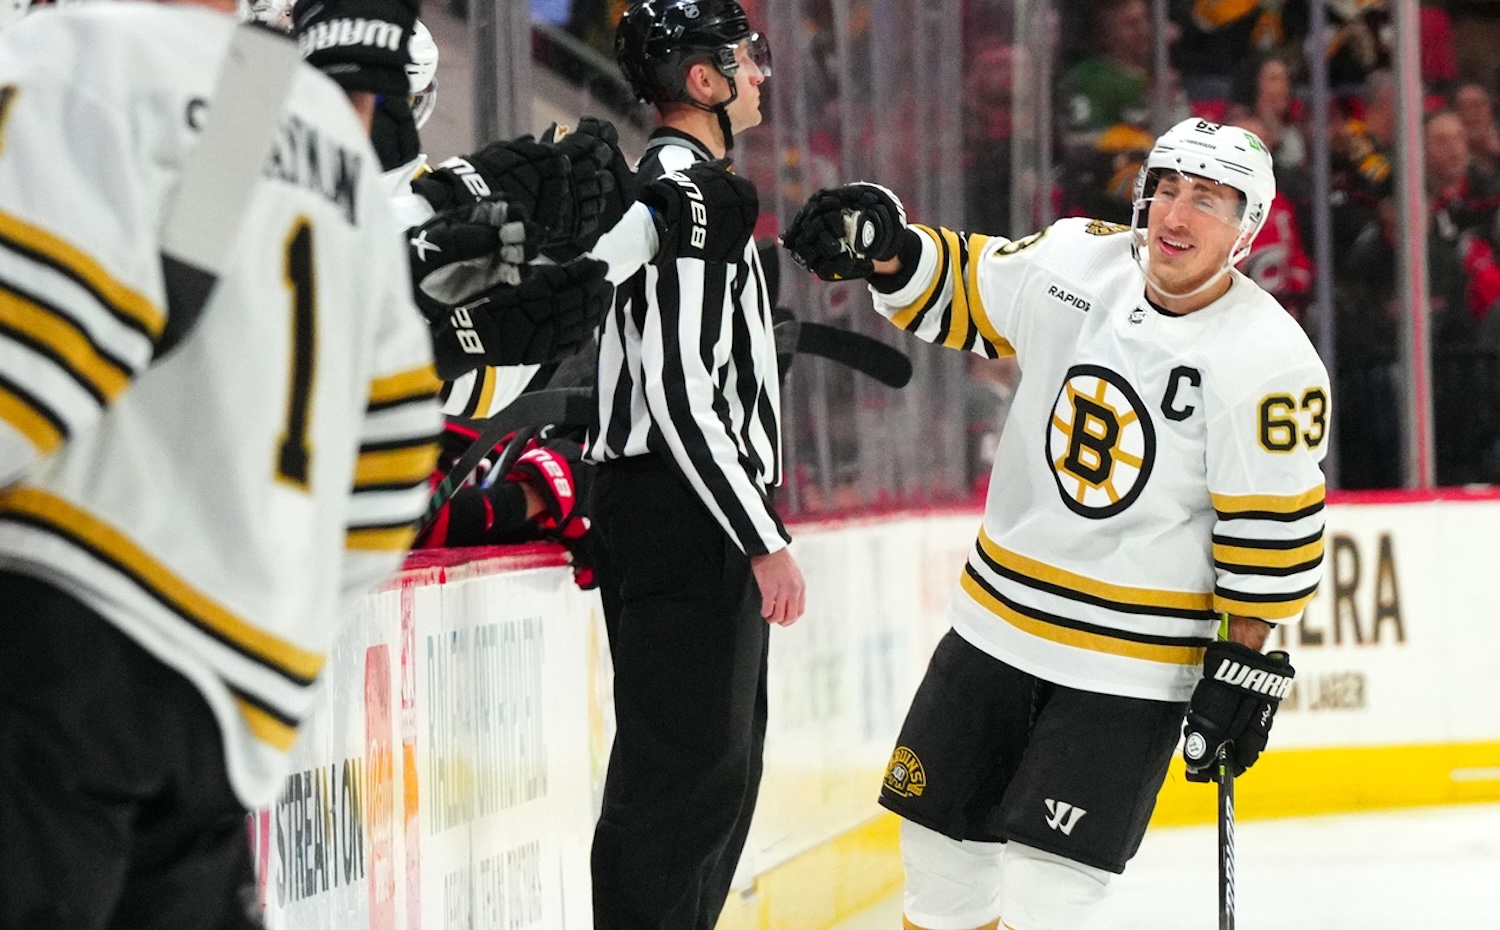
{"type": "Point", "coordinates": [467, 518]}
{"type": "Point", "coordinates": [909, 252]}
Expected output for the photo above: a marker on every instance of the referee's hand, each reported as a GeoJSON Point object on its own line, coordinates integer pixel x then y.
{"type": "Point", "coordinates": [783, 593]}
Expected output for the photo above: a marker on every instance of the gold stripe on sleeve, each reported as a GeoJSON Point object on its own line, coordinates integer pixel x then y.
{"type": "Point", "coordinates": [1257, 557]}
{"type": "Point", "coordinates": [407, 385]}
{"type": "Point", "coordinates": [115, 548]}
{"type": "Point", "coordinates": [488, 378]}
{"type": "Point", "coordinates": [407, 465]}
{"type": "Point", "coordinates": [67, 342]}
{"type": "Point", "coordinates": [21, 414]}
{"type": "Point", "coordinates": [1264, 610]}
{"type": "Point", "coordinates": [908, 314]}
{"type": "Point", "coordinates": [1267, 503]}
{"type": "Point", "coordinates": [269, 730]}
{"type": "Point", "coordinates": [32, 241]}
{"type": "Point", "coordinates": [977, 311]}
{"type": "Point", "coordinates": [958, 332]}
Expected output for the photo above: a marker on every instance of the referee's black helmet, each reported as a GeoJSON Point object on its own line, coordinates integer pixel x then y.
{"type": "Point", "coordinates": [658, 40]}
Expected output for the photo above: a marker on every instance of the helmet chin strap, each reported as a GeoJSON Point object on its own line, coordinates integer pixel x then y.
{"type": "Point", "coordinates": [1144, 261]}
{"type": "Point", "coordinates": [721, 110]}
{"type": "Point", "coordinates": [1156, 285]}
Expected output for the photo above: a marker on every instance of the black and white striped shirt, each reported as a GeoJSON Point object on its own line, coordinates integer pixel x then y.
{"type": "Point", "coordinates": [687, 369]}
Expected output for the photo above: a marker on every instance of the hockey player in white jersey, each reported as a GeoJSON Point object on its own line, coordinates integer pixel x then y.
{"type": "Point", "coordinates": [188, 508]}
{"type": "Point", "coordinates": [1158, 471]}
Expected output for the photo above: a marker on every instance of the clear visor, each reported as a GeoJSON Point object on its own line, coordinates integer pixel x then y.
{"type": "Point", "coordinates": [753, 49]}
{"type": "Point", "coordinates": [1164, 189]}
{"type": "Point", "coordinates": [423, 102]}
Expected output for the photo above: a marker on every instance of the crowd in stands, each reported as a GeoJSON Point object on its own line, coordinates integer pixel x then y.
{"type": "Point", "coordinates": [1245, 63]}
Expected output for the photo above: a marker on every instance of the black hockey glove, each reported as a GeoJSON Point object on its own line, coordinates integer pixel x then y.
{"type": "Point", "coordinates": [361, 44]}
{"type": "Point", "coordinates": [704, 211]}
{"type": "Point", "coordinates": [550, 315]}
{"type": "Point", "coordinates": [523, 172]}
{"type": "Point", "coordinates": [460, 252]}
{"type": "Point", "coordinates": [603, 184]}
{"type": "Point", "coordinates": [1234, 703]}
{"type": "Point", "coordinates": [841, 231]}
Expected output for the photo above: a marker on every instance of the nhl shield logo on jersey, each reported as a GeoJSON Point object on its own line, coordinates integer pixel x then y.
{"type": "Point", "coordinates": [904, 776]}
{"type": "Point", "coordinates": [1100, 442]}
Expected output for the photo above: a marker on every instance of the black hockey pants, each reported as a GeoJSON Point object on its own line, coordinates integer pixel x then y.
{"type": "Point", "coordinates": [115, 808]}
{"type": "Point", "coordinates": [689, 648]}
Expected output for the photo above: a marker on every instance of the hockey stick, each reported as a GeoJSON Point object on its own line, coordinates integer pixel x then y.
{"type": "Point", "coordinates": [865, 354]}
{"type": "Point", "coordinates": [221, 174]}
{"type": "Point", "coordinates": [1226, 839]}
{"type": "Point", "coordinates": [572, 406]}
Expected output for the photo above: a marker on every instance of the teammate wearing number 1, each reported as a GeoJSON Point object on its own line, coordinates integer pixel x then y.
{"type": "Point", "coordinates": [182, 529]}
{"type": "Point", "coordinates": [1159, 470]}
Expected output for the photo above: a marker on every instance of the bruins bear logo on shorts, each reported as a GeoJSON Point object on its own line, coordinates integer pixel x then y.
{"type": "Point", "coordinates": [1100, 442]}
{"type": "Point", "coordinates": [904, 776]}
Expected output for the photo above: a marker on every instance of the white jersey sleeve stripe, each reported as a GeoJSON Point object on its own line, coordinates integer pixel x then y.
{"type": "Point", "coordinates": [1274, 606]}
{"type": "Point", "coordinates": [52, 514]}
{"type": "Point", "coordinates": [397, 455]}
{"type": "Point", "coordinates": [964, 322]}
{"type": "Point", "coordinates": [37, 245]}
{"type": "Point", "coordinates": [1273, 553]}
{"type": "Point", "coordinates": [47, 332]}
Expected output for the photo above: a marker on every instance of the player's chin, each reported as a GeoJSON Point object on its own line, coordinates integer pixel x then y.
{"type": "Point", "coordinates": [751, 116]}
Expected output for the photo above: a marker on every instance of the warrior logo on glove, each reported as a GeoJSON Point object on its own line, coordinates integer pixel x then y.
{"type": "Point", "coordinates": [1233, 706]}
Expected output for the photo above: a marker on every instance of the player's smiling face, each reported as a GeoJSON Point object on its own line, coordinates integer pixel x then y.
{"type": "Point", "coordinates": [1191, 228]}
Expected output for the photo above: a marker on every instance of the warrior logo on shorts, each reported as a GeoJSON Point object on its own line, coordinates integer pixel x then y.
{"type": "Point", "coordinates": [904, 776]}
{"type": "Point", "coordinates": [1100, 442]}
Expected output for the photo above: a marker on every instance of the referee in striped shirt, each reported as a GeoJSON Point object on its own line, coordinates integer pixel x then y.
{"type": "Point", "coordinates": [696, 563]}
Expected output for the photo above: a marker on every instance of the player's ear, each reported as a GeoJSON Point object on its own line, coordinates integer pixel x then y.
{"type": "Point", "coordinates": [698, 79]}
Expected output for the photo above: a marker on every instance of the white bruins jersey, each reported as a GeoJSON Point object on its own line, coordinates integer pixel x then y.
{"type": "Point", "coordinates": [1154, 470]}
{"type": "Point", "coordinates": [224, 505]}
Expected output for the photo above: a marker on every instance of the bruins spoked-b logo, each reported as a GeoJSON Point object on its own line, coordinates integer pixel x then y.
{"type": "Point", "coordinates": [904, 776]}
{"type": "Point", "coordinates": [1100, 442]}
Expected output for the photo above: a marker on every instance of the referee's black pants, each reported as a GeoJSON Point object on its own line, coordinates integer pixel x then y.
{"type": "Point", "coordinates": [689, 648]}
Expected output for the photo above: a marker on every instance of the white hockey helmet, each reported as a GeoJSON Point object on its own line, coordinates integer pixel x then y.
{"type": "Point", "coordinates": [421, 72]}
{"type": "Point", "coordinates": [274, 13]}
{"type": "Point", "coordinates": [1227, 154]}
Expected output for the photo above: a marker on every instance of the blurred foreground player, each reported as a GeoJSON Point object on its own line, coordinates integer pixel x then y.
{"type": "Point", "coordinates": [189, 506]}
{"type": "Point", "coordinates": [1159, 469]}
